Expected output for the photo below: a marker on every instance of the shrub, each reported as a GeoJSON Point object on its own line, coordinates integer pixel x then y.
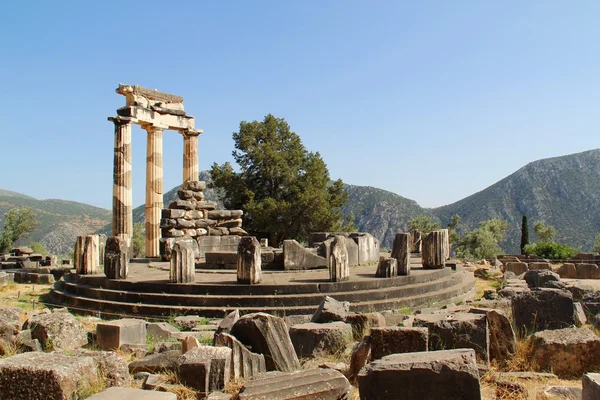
{"type": "Point", "coordinates": [551, 250]}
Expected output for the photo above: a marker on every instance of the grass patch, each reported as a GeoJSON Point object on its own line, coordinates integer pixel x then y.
{"type": "Point", "coordinates": [86, 389]}
{"type": "Point", "coordinates": [23, 295]}
{"type": "Point", "coordinates": [486, 284]}
{"type": "Point", "coordinates": [405, 311]}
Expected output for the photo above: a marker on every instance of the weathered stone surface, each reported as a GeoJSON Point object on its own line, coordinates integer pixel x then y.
{"type": "Point", "coordinates": [188, 343]}
{"type": "Point", "coordinates": [391, 340]}
{"type": "Point", "coordinates": [591, 387]}
{"type": "Point", "coordinates": [111, 367]}
{"type": "Point", "coordinates": [51, 376]}
{"type": "Point", "coordinates": [154, 363]}
{"type": "Point", "coordinates": [338, 260]}
{"type": "Point", "coordinates": [511, 390]}
{"type": "Point", "coordinates": [415, 241]}
{"type": "Point", "coordinates": [195, 185]}
{"type": "Point", "coordinates": [559, 393]}
{"type": "Point", "coordinates": [459, 330]}
{"type": "Point", "coordinates": [447, 374]}
{"type": "Point", "coordinates": [537, 278]}
{"type": "Point", "coordinates": [160, 330]}
{"type": "Point", "coordinates": [588, 271]}
{"type": "Point", "coordinates": [331, 310]}
{"type": "Point", "coordinates": [387, 267]}
{"type": "Point", "coordinates": [181, 205]}
{"type": "Point", "coordinates": [267, 335]}
{"type": "Point", "coordinates": [244, 363]}
{"type": "Point", "coordinates": [540, 265]}
{"type": "Point", "coordinates": [516, 268]}
{"type": "Point", "coordinates": [58, 330]}
{"type": "Point", "coordinates": [368, 247]}
{"type": "Point", "coordinates": [362, 323]}
{"type": "Point", "coordinates": [188, 322]}
{"type": "Point", "coordinates": [227, 322]}
{"type": "Point", "coordinates": [542, 309]}
{"type": "Point", "coordinates": [26, 342]}
{"type": "Point", "coordinates": [361, 354]}
{"type": "Point", "coordinates": [580, 317]}
{"type": "Point", "coordinates": [163, 347]}
{"type": "Point", "coordinates": [503, 341]}
{"type": "Point", "coordinates": [291, 320]}
{"type": "Point", "coordinates": [318, 384]}
{"type": "Point", "coordinates": [401, 252]}
{"type": "Point", "coordinates": [10, 323]}
{"type": "Point", "coordinates": [111, 335]}
{"type": "Point", "coordinates": [116, 258]}
{"type": "Point", "coordinates": [296, 256]}
{"type": "Point", "coordinates": [205, 368]}
{"type": "Point", "coordinates": [312, 339]}
{"type": "Point", "coordinates": [87, 254]}
{"type": "Point", "coordinates": [569, 353]}
{"type": "Point", "coordinates": [435, 249]}
{"type": "Point", "coordinates": [249, 263]}
{"type": "Point", "coordinates": [115, 393]}
{"type": "Point", "coordinates": [567, 270]}
{"type": "Point", "coordinates": [183, 267]}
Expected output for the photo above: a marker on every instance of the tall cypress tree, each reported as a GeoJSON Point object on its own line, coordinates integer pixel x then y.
{"type": "Point", "coordinates": [524, 234]}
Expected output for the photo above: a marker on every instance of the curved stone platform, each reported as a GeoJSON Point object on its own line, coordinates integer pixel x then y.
{"type": "Point", "coordinates": [147, 292]}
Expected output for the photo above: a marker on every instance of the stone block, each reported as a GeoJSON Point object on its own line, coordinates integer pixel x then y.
{"type": "Point", "coordinates": [205, 368]}
{"type": "Point", "coordinates": [195, 186]}
{"type": "Point", "coordinates": [361, 355]}
{"type": "Point", "coordinates": [183, 266]}
{"type": "Point", "coordinates": [542, 309]}
{"type": "Point", "coordinates": [503, 341]}
{"type": "Point", "coordinates": [172, 213]}
{"type": "Point", "coordinates": [560, 393]}
{"type": "Point", "coordinates": [516, 268]}
{"type": "Point", "coordinates": [580, 317]}
{"type": "Point", "coordinates": [188, 343]}
{"type": "Point", "coordinates": [111, 335]}
{"type": "Point", "coordinates": [587, 271]}
{"type": "Point", "coordinates": [244, 364]}
{"type": "Point", "coordinates": [435, 249]}
{"type": "Point", "coordinates": [296, 256]}
{"type": "Point", "coordinates": [161, 362]}
{"type": "Point", "coordinates": [216, 243]}
{"type": "Point", "coordinates": [267, 335]}
{"type": "Point", "coordinates": [568, 271]}
{"type": "Point", "coordinates": [391, 340]}
{"type": "Point", "coordinates": [459, 330]}
{"type": "Point", "coordinates": [45, 376]}
{"type": "Point", "coordinates": [415, 241]}
{"type": "Point", "coordinates": [311, 339]}
{"type": "Point", "coordinates": [57, 330]}
{"type": "Point", "coordinates": [249, 263]}
{"type": "Point", "coordinates": [227, 323]}
{"type": "Point", "coordinates": [331, 310]}
{"type": "Point", "coordinates": [538, 278]}
{"type": "Point", "coordinates": [447, 374]}
{"type": "Point", "coordinates": [387, 267]}
{"type": "Point", "coordinates": [368, 247]}
{"type": "Point", "coordinates": [181, 205]}
{"type": "Point", "coordinates": [115, 393]}
{"type": "Point", "coordinates": [10, 323]}
{"type": "Point", "coordinates": [116, 258]}
{"type": "Point", "coordinates": [401, 252]}
{"type": "Point", "coordinates": [362, 323]}
{"type": "Point", "coordinates": [160, 330]}
{"type": "Point", "coordinates": [569, 353]}
{"type": "Point", "coordinates": [221, 258]}
{"type": "Point", "coordinates": [318, 384]}
{"type": "Point", "coordinates": [540, 265]}
{"type": "Point", "coordinates": [591, 387]}
{"type": "Point", "coordinates": [111, 366]}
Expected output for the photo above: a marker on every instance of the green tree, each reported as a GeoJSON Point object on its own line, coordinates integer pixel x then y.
{"type": "Point", "coordinates": [452, 233]}
{"type": "Point", "coordinates": [596, 248]}
{"type": "Point", "coordinates": [18, 223]}
{"type": "Point", "coordinates": [545, 233]}
{"type": "Point", "coordinates": [423, 224]}
{"type": "Point", "coordinates": [38, 248]}
{"type": "Point", "coordinates": [284, 189]}
{"type": "Point", "coordinates": [139, 240]}
{"type": "Point", "coordinates": [483, 242]}
{"type": "Point", "coordinates": [524, 234]}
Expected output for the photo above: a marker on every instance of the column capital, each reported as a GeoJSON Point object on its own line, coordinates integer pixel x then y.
{"type": "Point", "coordinates": [122, 120]}
{"type": "Point", "coordinates": [191, 132]}
{"type": "Point", "coordinates": [154, 127]}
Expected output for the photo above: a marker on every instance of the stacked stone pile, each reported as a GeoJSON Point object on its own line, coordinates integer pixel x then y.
{"type": "Point", "coordinates": [192, 216]}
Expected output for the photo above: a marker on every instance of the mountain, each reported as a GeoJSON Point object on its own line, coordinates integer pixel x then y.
{"type": "Point", "coordinates": [60, 221]}
{"type": "Point", "coordinates": [562, 191]}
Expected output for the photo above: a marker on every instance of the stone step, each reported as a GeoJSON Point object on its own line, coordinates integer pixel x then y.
{"type": "Point", "coordinates": [463, 285]}
{"type": "Point", "coordinates": [263, 301]}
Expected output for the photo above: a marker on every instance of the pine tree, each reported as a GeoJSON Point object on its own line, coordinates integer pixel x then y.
{"type": "Point", "coordinates": [524, 234]}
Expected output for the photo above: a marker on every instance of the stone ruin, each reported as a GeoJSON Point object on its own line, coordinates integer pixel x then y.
{"type": "Point", "coordinates": [29, 267]}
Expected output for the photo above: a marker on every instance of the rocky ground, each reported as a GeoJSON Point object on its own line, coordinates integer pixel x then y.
{"type": "Point", "coordinates": [531, 336]}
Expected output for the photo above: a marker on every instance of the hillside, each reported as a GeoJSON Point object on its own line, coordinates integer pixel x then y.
{"type": "Point", "coordinates": [60, 221]}
{"type": "Point", "coordinates": [561, 191]}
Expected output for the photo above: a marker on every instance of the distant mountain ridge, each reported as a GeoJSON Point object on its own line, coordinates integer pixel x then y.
{"type": "Point", "coordinates": [561, 191]}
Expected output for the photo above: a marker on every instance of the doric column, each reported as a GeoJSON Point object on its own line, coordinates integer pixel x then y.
{"type": "Point", "coordinates": [122, 219]}
{"type": "Point", "coordinates": [190, 155]}
{"type": "Point", "coordinates": [154, 189]}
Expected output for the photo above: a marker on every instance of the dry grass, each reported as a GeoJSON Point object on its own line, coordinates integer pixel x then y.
{"type": "Point", "coordinates": [522, 359]}
{"type": "Point", "coordinates": [174, 386]}
{"type": "Point", "coordinates": [486, 284]}
{"type": "Point", "coordinates": [22, 295]}
{"type": "Point", "coordinates": [234, 386]}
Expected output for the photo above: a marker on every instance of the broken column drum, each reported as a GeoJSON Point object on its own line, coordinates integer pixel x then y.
{"type": "Point", "coordinates": [86, 255]}
{"type": "Point", "coordinates": [249, 261]}
{"type": "Point", "coordinates": [415, 241]}
{"type": "Point", "coordinates": [339, 264]}
{"type": "Point", "coordinates": [116, 258]}
{"type": "Point", "coordinates": [182, 262]}
{"type": "Point", "coordinates": [401, 252]}
{"type": "Point", "coordinates": [155, 111]}
{"type": "Point", "coordinates": [435, 249]}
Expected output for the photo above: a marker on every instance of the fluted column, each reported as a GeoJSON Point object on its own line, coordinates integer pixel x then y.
{"type": "Point", "coordinates": [190, 155]}
{"type": "Point", "coordinates": [122, 218]}
{"type": "Point", "coordinates": [154, 189]}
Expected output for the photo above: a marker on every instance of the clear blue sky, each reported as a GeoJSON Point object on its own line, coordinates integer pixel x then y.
{"type": "Point", "coordinates": [432, 100]}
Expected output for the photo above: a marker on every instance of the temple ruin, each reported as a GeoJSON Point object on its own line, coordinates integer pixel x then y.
{"type": "Point", "coordinates": [155, 112]}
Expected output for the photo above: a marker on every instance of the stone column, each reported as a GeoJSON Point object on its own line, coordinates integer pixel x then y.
{"type": "Point", "coordinates": [182, 262]}
{"type": "Point", "coordinates": [154, 189]}
{"type": "Point", "coordinates": [249, 268]}
{"type": "Point", "coordinates": [190, 155]}
{"type": "Point", "coordinates": [435, 251]}
{"type": "Point", "coordinates": [339, 266]}
{"type": "Point", "coordinates": [122, 220]}
{"type": "Point", "coordinates": [401, 252]}
{"type": "Point", "coordinates": [116, 260]}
